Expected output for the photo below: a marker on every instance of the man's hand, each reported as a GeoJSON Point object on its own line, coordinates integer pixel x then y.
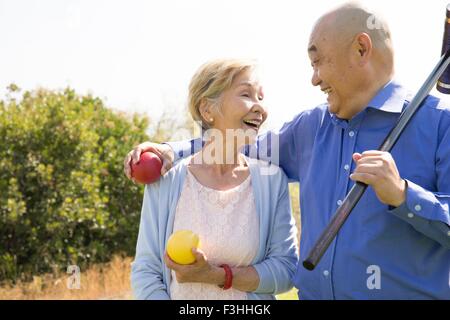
{"type": "Point", "coordinates": [163, 151]}
{"type": "Point", "coordinates": [200, 271]}
{"type": "Point", "coordinates": [378, 169]}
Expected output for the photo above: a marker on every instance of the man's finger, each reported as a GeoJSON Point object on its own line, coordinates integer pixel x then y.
{"type": "Point", "coordinates": [371, 168]}
{"type": "Point", "coordinates": [167, 158]}
{"type": "Point", "coordinates": [166, 166]}
{"type": "Point", "coordinates": [126, 169]}
{"type": "Point", "coordinates": [127, 159]}
{"type": "Point", "coordinates": [383, 160]}
{"type": "Point", "coordinates": [356, 157]}
{"type": "Point", "coordinates": [136, 155]}
{"type": "Point", "coordinates": [156, 151]}
{"type": "Point", "coordinates": [372, 153]}
{"type": "Point", "coordinates": [370, 160]}
{"type": "Point", "coordinates": [127, 166]}
{"type": "Point", "coordinates": [366, 178]}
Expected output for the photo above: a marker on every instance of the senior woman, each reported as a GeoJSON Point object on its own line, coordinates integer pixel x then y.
{"type": "Point", "coordinates": [242, 216]}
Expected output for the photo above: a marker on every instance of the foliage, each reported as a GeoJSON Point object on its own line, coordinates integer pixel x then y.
{"type": "Point", "coordinates": [63, 196]}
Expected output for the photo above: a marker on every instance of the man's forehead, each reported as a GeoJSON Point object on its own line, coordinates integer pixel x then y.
{"type": "Point", "coordinates": [320, 34]}
{"type": "Point", "coordinates": [318, 40]}
{"type": "Point", "coordinates": [314, 46]}
{"type": "Point", "coordinates": [313, 41]}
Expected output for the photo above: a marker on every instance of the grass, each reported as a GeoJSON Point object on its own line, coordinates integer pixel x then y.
{"type": "Point", "coordinates": [109, 281]}
{"type": "Point", "coordinates": [102, 281]}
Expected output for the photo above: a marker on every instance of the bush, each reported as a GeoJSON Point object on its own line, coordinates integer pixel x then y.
{"type": "Point", "coordinates": [63, 196]}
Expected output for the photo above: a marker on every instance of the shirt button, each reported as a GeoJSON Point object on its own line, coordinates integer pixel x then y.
{"type": "Point", "coordinates": [448, 233]}
{"type": "Point", "coordinates": [418, 207]}
{"type": "Point", "coordinates": [339, 202]}
{"type": "Point", "coordinates": [326, 273]}
{"type": "Point", "coordinates": [410, 215]}
{"type": "Point", "coordinates": [351, 134]}
{"type": "Point", "coordinates": [347, 167]}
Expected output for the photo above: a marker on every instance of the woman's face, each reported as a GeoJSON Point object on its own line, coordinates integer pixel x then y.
{"type": "Point", "coordinates": [242, 109]}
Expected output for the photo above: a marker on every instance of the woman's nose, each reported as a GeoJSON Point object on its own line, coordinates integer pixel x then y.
{"type": "Point", "coordinates": [259, 106]}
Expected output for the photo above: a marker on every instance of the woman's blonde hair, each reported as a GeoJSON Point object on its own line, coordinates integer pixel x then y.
{"type": "Point", "coordinates": [211, 80]}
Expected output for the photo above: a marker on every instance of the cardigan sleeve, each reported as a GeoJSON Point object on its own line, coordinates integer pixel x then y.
{"type": "Point", "coordinates": [147, 269]}
{"type": "Point", "coordinates": [278, 268]}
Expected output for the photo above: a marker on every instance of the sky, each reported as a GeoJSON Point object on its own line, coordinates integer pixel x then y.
{"type": "Point", "coordinates": [139, 56]}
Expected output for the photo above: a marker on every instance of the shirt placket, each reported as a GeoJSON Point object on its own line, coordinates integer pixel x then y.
{"type": "Point", "coordinates": [349, 136]}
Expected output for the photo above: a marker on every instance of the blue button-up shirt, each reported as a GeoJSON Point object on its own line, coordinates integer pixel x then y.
{"type": "Point", "coordinates": [381, 252]}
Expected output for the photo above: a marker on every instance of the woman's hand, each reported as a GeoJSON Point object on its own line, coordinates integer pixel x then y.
{"type": "Point", "coordinates": [163, 151]}
{"type": "Point", "coordinates": [199, 271]}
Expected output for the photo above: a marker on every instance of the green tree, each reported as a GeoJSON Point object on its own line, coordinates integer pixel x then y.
{"type": "Point", "coordinates": [63, 196]}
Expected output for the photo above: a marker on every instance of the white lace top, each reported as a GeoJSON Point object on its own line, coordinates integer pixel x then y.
{"type": "Point", "coordinates": [228, 227]}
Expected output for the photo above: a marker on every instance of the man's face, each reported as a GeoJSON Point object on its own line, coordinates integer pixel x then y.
{"type": "Point", "coordinates": [333, 71]}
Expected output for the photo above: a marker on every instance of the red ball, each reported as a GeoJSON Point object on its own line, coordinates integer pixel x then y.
{"type": "Point", "coordinates": [148, 169]}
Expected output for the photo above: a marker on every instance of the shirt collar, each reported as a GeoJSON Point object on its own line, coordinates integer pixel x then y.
{"type": "Point", "coordinates": [391, 98]}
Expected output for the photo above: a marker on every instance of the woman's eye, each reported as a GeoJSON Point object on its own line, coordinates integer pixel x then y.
{"type": "Point", "coordinates": [245, 95]}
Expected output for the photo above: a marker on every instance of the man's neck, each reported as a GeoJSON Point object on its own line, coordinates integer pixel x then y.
{"type": "Point", "coordinates": [362, 100]}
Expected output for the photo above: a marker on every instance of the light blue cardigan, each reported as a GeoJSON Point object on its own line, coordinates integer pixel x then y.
{"type": "Point", "coordinates": [277, 255]}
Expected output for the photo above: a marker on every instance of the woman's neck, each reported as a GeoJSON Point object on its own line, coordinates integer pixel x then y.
{"type": "Point", "coordinates": [220, 159]}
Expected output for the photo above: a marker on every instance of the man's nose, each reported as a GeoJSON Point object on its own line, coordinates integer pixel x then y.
{"type": "Point", "coordinates": [315, 80]}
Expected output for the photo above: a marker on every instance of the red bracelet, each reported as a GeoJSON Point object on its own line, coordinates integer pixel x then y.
{"type": "Point", "coordinates": [228, 277]}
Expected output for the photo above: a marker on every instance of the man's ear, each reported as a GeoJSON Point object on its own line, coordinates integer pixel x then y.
{"type": "Point", "coordinates": [363, 47]}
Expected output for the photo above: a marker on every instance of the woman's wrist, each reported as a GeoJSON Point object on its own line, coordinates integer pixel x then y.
{"type": "Point", "coordinates": [216, 276]}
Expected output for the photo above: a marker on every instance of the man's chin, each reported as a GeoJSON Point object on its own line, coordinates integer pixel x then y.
{"type": "Point", "coordinates": [332, 108]}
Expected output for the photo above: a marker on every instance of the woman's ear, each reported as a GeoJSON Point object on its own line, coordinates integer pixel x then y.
{"type": "Point", "coordinates": [205, 111]}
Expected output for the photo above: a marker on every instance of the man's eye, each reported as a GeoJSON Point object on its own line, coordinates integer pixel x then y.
{"type": "Point", "coordinates": [245, 95]}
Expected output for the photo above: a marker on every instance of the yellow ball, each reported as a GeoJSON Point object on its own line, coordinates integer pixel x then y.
{"type": "Point", "coordinates": [180, 245]}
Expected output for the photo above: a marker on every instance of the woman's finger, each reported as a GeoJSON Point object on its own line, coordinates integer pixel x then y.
{"type": "Point", "coordinates": [169, 262]}
{"type": "Point", "coordinates": [199, 255]}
